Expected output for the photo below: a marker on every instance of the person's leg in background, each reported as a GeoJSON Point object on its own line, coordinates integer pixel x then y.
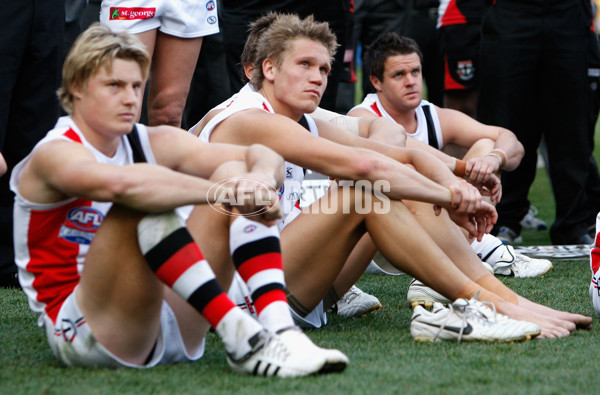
{"type": "Point", "coordinates": [210, 85]}
{"type": "Point", "coordinates": [566, 122]}
{"type": "Point", "coordinates": [31, 48]}
{"type": "Point", "coordinates": [508, 74]}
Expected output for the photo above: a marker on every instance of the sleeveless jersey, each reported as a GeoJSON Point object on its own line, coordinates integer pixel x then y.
{"type": "Point", "coordinates": [52, 240]}
{"type": "Point", "coordinates": [290, 192]}
{"type": "Point", "coordinates": [428, 130]}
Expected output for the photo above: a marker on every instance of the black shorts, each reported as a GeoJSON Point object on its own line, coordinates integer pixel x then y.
{"type": "Point", "coordinates": [460, 47]}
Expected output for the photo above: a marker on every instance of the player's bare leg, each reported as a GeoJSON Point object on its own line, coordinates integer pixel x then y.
{"type": "Point", "coordinates": [459, 251]}
{"type": "Point", "coordinates": [118, 289]}
{"type": "Point", "coordinates": [320, 243]}
{"type": "Point", "coordinates": [173, 65]}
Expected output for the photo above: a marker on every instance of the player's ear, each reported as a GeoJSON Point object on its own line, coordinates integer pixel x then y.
{"type": "Point", "coordinates": [248, 70]}
{"type": "Point", "coordinates": [268, 67]}
{"type": "Point", "coordinates": [76, 90]}
{"type": "Point", "coordinates": [375, 82]}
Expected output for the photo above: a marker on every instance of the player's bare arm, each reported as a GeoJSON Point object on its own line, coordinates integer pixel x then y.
{"type": "Point", "coordinates": [60, 169]}
{"type": "Point", "coordinates": [488, 184]}
{"type": "Point", "coordinates": [425, 163]}
{"type": "Point", "coordinates": [377, 129]}
{"type": "Point", "coordinates": [486, 181]}
{"type": "Point", "coordinates": [345, 162]}
{"type": "Point", "coordinates": [460, 129]}
{"type": "Point", "coordinates": [183, 152]}
{"type": "Point", "coordinates": [385, 130]}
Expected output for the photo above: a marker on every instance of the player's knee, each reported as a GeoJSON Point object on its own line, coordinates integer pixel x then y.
{"type": "Point", "coordinates": [362, 198]}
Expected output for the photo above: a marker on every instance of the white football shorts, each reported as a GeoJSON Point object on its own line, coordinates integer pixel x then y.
{"type": "Point", "coordinates": [73, 343]}
{"type": "Point", "coordinates": [179, 18]}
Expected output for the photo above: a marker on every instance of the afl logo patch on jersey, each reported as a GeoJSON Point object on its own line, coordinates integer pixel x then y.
{"type": "Point", "coordinates": [85, 218]}
{"type": "Point", "coordinates": [210, 5]}
{"type": "Point", "coordinates": [81, 225]}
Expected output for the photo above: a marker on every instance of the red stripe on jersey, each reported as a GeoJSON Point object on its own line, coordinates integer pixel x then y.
{"type": "Point", "coordinates": [178, 263]}
{"type": "Point", "coordinates": [271, 260]}
{"type": "Point", "coordinates": [277, 295]}
{"type": "Point", "coordinates": [52, 259]}
{"type": "Point", "coordinates": [265, 107]}
{"type": "Point", "coordinates": [376, 109]}
{"type": "Point", "coordinates": [71, 134]}
{"type": "Point", "coordinates": [216, 309]}
{"type": "Point", "coordinates": [452, 16]}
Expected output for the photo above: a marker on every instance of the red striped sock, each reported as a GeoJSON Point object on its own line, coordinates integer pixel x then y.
{"type": "Point", "coordinates": [178, 262]}
{"type": "Point", "coordinates": [257, 257]}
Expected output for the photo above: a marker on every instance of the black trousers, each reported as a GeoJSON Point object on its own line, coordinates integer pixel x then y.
{"type": "Point", "coordinates": [31, 47]}
{"type": "Point", "coordinates": [534, 81]}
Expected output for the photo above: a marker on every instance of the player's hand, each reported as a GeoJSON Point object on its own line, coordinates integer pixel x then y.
{"type": "Point", "coordinates": [490, 186]}
{"type": "Point", "coordinates": [481, 167]}
{"type": "Point", "coordinates": [258, 200]}
{"type": "Point", "coordinates": [478, 223]}
{"type": "Point", "coordinates": [466, 199]}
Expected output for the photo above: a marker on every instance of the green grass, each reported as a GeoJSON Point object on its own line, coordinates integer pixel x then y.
{"type": "Point", "coordinates": [384, 358]}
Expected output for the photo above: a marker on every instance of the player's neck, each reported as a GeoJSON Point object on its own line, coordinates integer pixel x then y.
{"type": "Point", "coordinates": [403, 116]}
{"type": "Point", "coordinates": [106, 143]}
{"type": "Point", "coordinates": [280, 107]}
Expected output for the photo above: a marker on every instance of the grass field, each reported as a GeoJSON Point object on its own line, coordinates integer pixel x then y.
{"type": "Point", "coordinates": [384, 358]}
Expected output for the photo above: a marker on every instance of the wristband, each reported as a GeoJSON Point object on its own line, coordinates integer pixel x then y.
{"type": "Point", "coordinates": [498, 153]}
{"type": "Point", "coordinates": [460, 168]}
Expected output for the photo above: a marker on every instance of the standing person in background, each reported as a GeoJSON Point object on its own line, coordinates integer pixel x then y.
{"type": "Point", "coordinates": [533, 70]}
{"type": "Point", "coordinates": [460, 39]}
{"type": "Point", "coordinates": [172, 32]}
{"type": "Point", "coordinates": [460, 35]}
{"type": "Point", "coordinates": [210, 84]}
{"type": "Point", "coordinates": [31, 50]}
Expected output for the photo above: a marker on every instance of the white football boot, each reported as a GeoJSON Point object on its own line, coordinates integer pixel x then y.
{"type": "Point", "coordinates": [356, 303]}
{"type": "Point", "coordinates": [463, 320]}
{"type": "Point", "coordinates": [289, 353]}
{"type": "Point", "coordinates": [506, 262]}
{"type": "Point", "coordinates": [420, 294]}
